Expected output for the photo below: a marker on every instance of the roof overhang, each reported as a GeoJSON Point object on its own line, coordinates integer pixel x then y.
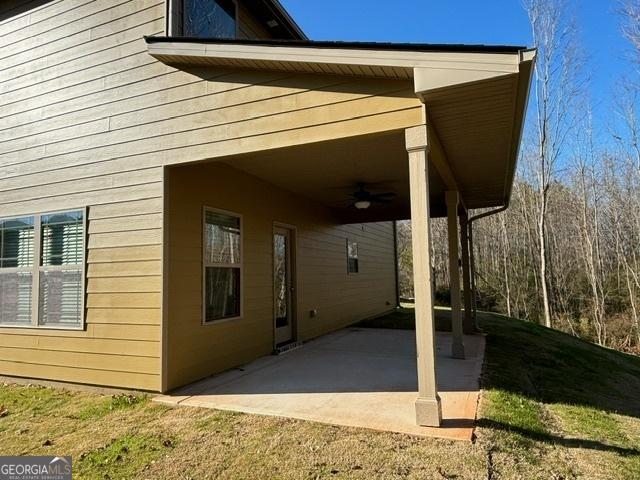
{"type": "Point", "coordinates": [478, 94]}
{"type": "Point", "coordinates": [430, 65]}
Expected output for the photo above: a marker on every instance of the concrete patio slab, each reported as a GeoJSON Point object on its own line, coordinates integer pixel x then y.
{"type": "Point", "coordinates": [354, 377]}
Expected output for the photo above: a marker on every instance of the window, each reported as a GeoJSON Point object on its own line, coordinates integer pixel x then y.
{"type": "Point", "coordinates": [222, 265]}
{"type": "Point", "coordinates": [41, 270]}
{"type": "Point", "coordinates": [16, 270]}
{"type": "Point", "coordinates": [209, 18]}
{"type": "Point", "coordinates": [352, 257]}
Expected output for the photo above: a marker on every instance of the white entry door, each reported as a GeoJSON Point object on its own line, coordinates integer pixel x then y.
{"type": "Point", "coordinates": [283, 285]}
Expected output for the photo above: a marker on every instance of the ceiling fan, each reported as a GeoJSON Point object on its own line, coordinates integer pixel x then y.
{"type": "Point", "coordinates": [363, 198]}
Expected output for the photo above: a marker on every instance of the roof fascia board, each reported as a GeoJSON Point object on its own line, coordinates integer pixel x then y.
{"type": "Point", "coordinates": [491, 62]}
{"type": "Point", "coordinates": [527, 64]}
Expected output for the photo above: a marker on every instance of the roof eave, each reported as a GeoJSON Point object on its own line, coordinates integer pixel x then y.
{"type": "Point", "coordinates": [339, 58]}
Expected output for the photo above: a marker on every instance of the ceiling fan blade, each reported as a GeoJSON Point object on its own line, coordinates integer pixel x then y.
{"type": "Point", "coordinates": [380, 200]}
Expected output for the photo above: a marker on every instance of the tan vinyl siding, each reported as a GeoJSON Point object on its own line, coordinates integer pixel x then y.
{"type": "Point", "coordinates": [58, 58]}
{"type": "Point", "coordinates": [90, 119]}
{"type": "Point", "coordinates": [340, 298]}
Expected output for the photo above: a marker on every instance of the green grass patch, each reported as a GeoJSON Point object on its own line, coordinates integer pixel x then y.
{"type": "Point", "coordinates": [110, 404]}
{"type": "Point", "coordinates": [32, 400]}
{"type": "Point", "coordinates": [591, 423]}
{"type": "Point", "coordinates": [123, 457]}
{"type": "Point", "coordinates": [515, 414]}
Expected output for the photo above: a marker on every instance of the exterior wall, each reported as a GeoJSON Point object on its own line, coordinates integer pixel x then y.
{"type": "Point", "coordinates": [197, 350]}
{"type": "Point", "coordinates": [90, 119]}
{"type": "Point", "coordinates": [65, 66]}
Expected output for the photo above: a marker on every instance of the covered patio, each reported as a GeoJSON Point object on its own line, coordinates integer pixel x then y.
{"type": "Point", "coordinates": [438, 127]}
{"type": "Point", "coordinates": [356, 377]}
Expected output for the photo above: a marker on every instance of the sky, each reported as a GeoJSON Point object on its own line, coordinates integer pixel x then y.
{"type": "Point", "coordinates": [498, 22]}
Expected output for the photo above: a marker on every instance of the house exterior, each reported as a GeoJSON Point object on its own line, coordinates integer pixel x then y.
{"type": "Point", "coordinates": [178, 182]}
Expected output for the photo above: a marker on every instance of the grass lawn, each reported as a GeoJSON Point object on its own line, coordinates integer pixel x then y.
{"type": "Point", "coordinates": [553, 407]}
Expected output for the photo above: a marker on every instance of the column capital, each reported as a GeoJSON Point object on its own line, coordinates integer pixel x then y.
{"type": "Point", "coordinates": [416, 138]}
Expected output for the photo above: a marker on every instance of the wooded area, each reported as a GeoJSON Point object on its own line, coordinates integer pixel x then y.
{"type": "Point", "coordinates": [566, 253]}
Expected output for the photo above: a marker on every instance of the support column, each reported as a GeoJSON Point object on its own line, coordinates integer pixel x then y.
{"type": "Point", "coordinates": [457, 348]}
{"type": "Point", "coordinates": [467, 322]}
{"type": "Point", "coordinates": [428, 409]}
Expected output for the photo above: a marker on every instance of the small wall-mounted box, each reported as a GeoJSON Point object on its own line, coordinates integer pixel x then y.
{"type": "Point", "coordinates": [313, 313]}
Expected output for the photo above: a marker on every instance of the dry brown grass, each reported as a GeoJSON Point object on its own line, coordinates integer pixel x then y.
{"type": "Point", "coordinates": [554, 407]}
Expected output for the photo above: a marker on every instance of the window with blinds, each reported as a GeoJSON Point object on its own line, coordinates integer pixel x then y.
{"type": "Point", "coordinates": [16, 270]}
{"type": "Point", "coordinates": [41, 270]}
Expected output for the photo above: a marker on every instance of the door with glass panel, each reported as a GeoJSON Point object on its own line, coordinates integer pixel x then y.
{"type": "Point", "coordinates": [283, 285]}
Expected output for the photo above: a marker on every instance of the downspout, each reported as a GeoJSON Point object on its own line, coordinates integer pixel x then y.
{"type": "Point", "coordinates": [395, 262]}
{"type": "Point", "coordinates": [472, 257]}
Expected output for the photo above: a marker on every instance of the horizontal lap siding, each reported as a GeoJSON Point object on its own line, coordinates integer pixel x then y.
{"type": "Point", "coordinates": [88, 118]}
{"type": "Point", "coordinates": [52, 70]}
{"type": "Point", "coordinates": [340, 299]}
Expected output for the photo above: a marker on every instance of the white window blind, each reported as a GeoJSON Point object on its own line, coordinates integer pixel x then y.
{"type": "Point", "coordinates": [16, 270]}
{"type": "Point", "coordinates": [60, 288]}
{"type": "Point", "coordinates": [48, 292]}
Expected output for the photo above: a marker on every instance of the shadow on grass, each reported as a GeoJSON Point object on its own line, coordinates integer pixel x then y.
{"type": "Point", "coordinates": [546, 366]}
{"type": "Point", "coordinates": [556, 439]}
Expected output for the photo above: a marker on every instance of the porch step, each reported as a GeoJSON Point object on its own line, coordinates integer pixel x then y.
{"type": "Point", "coordinates": [287, 348]}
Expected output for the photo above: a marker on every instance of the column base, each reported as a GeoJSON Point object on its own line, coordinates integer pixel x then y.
{"type": "Point", "coordinates": [457, 351]}
{"type": "Point", "coordinates": [428, 412]}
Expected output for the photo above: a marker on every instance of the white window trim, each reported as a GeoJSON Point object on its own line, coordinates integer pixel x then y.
{"type": "Point", "coordinates": [35, 270]}
{"type": "Point", "coordinates": [239, 266]}
{"type": "Point", "coordinates": [174, 25]}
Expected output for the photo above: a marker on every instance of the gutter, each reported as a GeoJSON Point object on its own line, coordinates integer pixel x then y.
{"type": "Point", "coordinates": [472, 257]}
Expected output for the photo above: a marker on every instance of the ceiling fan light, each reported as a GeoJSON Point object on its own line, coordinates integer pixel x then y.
{"type": "Point", "coordinates": [362, 204]}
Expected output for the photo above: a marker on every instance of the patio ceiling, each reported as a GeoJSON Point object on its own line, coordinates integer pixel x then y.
{"type": "Point", "coordinates": [328, 172]}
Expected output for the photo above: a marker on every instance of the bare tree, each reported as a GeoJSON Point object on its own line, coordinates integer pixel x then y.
{"type": "Point", "coordinates": [567, 251]}
{"type": "Point", "coordinates": [556, 88]}
{"type": "Point", "coordinates": [630, 13]}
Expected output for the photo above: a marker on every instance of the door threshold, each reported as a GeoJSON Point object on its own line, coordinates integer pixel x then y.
{"type": "Point", "coordinates": [287, 347]}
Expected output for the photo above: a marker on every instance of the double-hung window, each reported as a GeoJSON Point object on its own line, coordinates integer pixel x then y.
{"type": "Point", "coordinates": [352, 257]}
{"type": "Point", "coordinates": [222, 265]}
{"type": "Point", "coordinates": [204, 18]}
{"type": "Point", "coordinates": [42, 270]}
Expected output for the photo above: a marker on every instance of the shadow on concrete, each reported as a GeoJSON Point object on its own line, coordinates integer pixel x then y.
{"type": "Point", "coordinates": [354, 360]}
